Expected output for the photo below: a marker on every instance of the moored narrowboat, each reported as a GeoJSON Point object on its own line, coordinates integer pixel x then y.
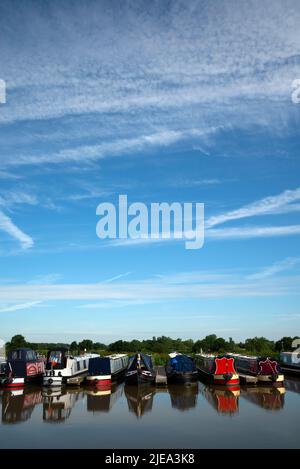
{"type": "Point", "coordinates": [264, 369]}
{"type": "Point", "coordinates": [290, 363]}
{"type": "Point", "coordinates": [217, 369]}
{"type": "Point", "coordinates": [22, 366]}
{"type": "Point", "coordinates": [181, 369]}
{"type": "Point", "coordinates": [104, 370]}
{"type": "Point", "coordinates": [140, 370]}
{"type": "Point", "coordinates": [63, 368]}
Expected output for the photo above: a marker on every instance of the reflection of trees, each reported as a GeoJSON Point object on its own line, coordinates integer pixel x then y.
{"type": "Point", "coordinates": [223, 398]}
{"type": "Point", "coordinates": [18, 405]}
{"type": "Point", "coordinates": [183, 397]}
{"type": "Point", "coordinates": [58, 404]}
{"type": "Point", "coordinates": [269, 397]}
{"type": "Point", "coordinates": [102, 400]}
{"type": "Point", "coordinates": [139, 398]}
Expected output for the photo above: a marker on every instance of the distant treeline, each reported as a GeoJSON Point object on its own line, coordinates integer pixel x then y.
{"type": "Point", "coordinates": [164, 345]}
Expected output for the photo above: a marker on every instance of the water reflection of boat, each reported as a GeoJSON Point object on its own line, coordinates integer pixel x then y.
{"type": "Point", "coordinates": [102, 400]}
{"type": "Point", "coordinates": [58, 403]}
{"type": "Point", "coordinates": [224, 399]}
{"type": "Point", "coordinates": [183, 397]}
{"type": "Point", "coordinates": [292, 384]}
{"type": "Point", "coordinates": [268, 397]}
{"type": "Point", "coordinates": [139, 398]}
{"type": "Point", "coordinates": [18, 405]}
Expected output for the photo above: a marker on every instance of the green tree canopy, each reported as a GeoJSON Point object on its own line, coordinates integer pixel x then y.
{"type": "Point", "coordinates": [16, 342]}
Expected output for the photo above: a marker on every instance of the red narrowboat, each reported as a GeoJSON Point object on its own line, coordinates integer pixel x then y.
{"type": "Point", "coordinates": [266, 370]}
{"type": "Point", "coordinates": [217, 369]}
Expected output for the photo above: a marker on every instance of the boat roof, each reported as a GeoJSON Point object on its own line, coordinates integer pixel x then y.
{"type": "Point", "coordinates": [114, 356]}
{"type": "Point", "coordinates": [174, 354]}
{"type": "Point", "coordinates": [253, 357]}
{"type": "Point", "coordinates": [206, 355]}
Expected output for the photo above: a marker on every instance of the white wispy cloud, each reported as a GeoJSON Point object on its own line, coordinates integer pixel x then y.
{"type": "Point", "coordinates": [117, 277]}
{"type": "Point", "coordinates": [45, 279]}
{"type": "Point", "coordinates": [7, 225]}
{"type": "Point", "coordinates": [168, 59]}
{"type": "Point", "coordinates": [18, 306]}
{"type": "Point", "coordinates": [153, 289]}
{"type": "Point", "coordinates": [280, 266]}
{"type": "Point", "coordinates": [12, 197]}
{"type": "Point", "coordinates": [266, 206]}
{"type": "Point", "coordinates": [253, 232]}
{"type": "Point", "coordinates": [117, 147]}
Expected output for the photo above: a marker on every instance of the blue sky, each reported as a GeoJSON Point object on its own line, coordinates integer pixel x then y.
{"type": "Point", "coordinates": [162, 101]}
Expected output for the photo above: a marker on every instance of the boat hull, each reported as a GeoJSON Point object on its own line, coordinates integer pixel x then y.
{"type": "Point", "coordinates": [99, 380]}
{"type": "Point", "coordinates": [291, 370]}
{"type": "Point", "coordinates": [270, 379]}
{"type": "Point", "coordinates": [12, 383]}
{"type": "Point", "coordinates": [137, 377]}
{"type": "Point", "coordinates": [221, 380]}
{"type": "Point", "coordinates": [52, 381]}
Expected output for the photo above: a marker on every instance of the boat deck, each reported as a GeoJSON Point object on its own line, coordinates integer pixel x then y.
{"type": "Point", "coordinates": [161, 377]}
{"type": "Point", "coordinates": [248, 379]}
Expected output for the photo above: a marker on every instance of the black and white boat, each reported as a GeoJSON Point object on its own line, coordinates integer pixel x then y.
{"type": "Point", "coordinates": [64, 368]}
{"type": "Point", "coordinates": [140, 370]}
{"type": "Point", "coordinates": [181, 369]}
{"type": "Point", "coordinates": [103, 371]}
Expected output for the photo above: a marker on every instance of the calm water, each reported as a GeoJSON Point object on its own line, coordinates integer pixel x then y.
{"type": "Point", "coordinates": [196, 416]}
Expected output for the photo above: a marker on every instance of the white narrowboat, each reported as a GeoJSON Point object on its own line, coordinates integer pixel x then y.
{"type": "Point", "coordinates": [64, 368]}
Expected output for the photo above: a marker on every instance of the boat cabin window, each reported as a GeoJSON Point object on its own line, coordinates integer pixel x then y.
{"type": "Point", "coordinates": [84, 364]}
{"type": "Point", "coordinates": [16, 355]}
{"type": "Point", "coordinates": [78, 366]}
{"type": "Point", "coordinates": [30, 355]}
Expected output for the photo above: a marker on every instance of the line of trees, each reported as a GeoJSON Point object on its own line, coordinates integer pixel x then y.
{"type": "Point", "coordinates": [163, 345]}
